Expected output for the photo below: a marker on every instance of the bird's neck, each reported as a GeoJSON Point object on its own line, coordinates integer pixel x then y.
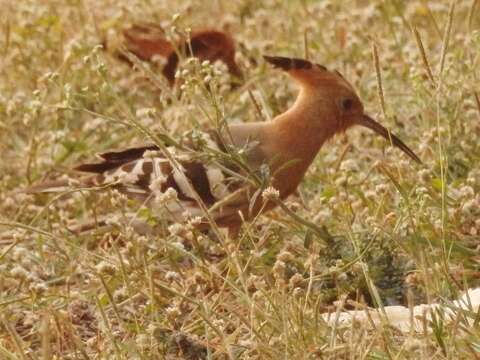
{"type": "Point", "coordinates": [296, 137]}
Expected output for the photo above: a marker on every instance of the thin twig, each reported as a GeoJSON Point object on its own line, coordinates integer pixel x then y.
{"type": "Point", "coordinates": [423, 54]}
{"type": "Point", "coordinates": [434, 22]}
{"type": "Point", "coordinates": [446, 37]}
{"type": "Point", "coordinates": [379, 78]}
{"type": "Point", "coordinates": [305, 44]}
{"type": "Point", "coordinates": [470, 14]}
{"type": "Point", "coordinates": [477, 101]}
{"type": "Point", "coordinates": [257, 106]}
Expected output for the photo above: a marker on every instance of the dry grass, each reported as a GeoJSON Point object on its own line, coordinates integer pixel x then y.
{"type": "Point", "coordinates": [400, 233]}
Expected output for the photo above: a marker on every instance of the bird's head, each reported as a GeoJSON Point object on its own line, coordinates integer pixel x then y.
{"type": "Point", "coordinates": [334, 97]}
{"type": "Point", "coordinates": [205, 44]}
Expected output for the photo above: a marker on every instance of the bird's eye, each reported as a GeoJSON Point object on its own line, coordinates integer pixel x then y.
{"type": "Point", "coordinates": [346, 104]}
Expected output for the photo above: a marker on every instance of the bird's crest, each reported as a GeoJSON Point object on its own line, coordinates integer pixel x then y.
{"type": "Point", "coordinates": [307, 72]}
{"type": "Point", "coordinates": [287, 64]}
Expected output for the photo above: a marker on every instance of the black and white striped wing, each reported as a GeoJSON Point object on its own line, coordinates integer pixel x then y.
{"type": "Point", "coordinates": [147, 175]}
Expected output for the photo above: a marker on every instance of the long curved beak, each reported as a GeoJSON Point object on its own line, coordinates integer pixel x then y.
{"type": "Point", "coordinates": [368, 122]}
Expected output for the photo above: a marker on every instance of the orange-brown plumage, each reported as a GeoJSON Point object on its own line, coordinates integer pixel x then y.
{"type": "Point", "coordinates": [326, 104]}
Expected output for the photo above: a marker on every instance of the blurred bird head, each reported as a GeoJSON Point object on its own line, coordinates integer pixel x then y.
{"type": "Point", "coordinates": [207, 44]}
{"type": "Point", "coordinates": [215, 45]}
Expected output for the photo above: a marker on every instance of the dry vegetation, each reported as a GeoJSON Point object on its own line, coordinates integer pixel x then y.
{"type": "Point", "coordinates": [400, 233]}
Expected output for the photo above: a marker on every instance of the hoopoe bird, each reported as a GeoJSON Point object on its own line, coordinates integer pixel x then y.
{"type": "Point", "coordinates": [182, 182]}
{"type": "Point", "coordinates": [147, 41]}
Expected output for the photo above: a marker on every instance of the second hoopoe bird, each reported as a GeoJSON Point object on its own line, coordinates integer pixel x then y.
{"type": "Point", "coordinates": [148, 40]}
{"type": "Point", "coordinates": [183, 182]}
